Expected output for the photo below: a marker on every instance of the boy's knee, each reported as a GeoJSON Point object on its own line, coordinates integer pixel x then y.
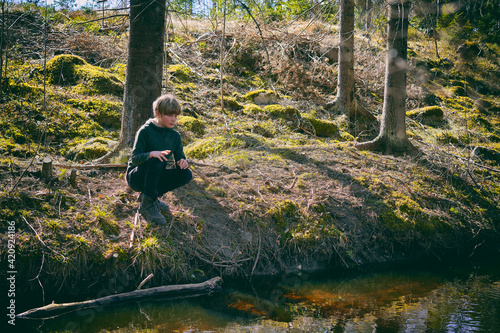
{"type": "Point", "coordinates": [156, 164]}
{"type": "Point", "coordinates": [187, 175]}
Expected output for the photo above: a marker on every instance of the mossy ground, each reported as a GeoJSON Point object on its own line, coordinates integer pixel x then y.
{"type": "Point", "coordinates": [276, 186]}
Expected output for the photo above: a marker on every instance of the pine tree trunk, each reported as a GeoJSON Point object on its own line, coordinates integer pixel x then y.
{"type": "Point", "coordinates": [392, 138]}
{"type": "Point", "coordinates": [346, 99]}
{"type": "Point", "coordinates": [144, 66]}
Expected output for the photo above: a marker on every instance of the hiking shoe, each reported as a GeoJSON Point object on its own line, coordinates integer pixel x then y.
{"type": "Point", "coordinates": [163, 207]}
{"type": "Point", "coordinates": [149, 209]}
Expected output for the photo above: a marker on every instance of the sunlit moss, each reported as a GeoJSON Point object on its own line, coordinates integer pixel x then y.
{"type": "Point", "coordinates": [261, 97]}
{"type": "Point", "coordinates": [62, 69]}
{"type": "Point", "coordinates": [212, 145]}
{"type": "Point", "coordinates": [284, 213]}
{"type": "Point", "coordinates": [96, 81]}
{"type": "Point", "coordinates": [252, 109]}
{"type": "Point", "coordinates": [90, 150]}
{"type": "Point", "coordinates": [181, 72]}
{"type": "Point", "coordinates": [230, 103]}
{"type": "Point", "coordinates": [282, 112]}
{"type": "Point", "coordinates": [192, 124]}
{"type": "Point", "coordinates": [106, 113]}
{"type": "Point", "coordinates": [324, 128]}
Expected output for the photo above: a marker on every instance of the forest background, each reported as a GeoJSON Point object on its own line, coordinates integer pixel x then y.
{"type": "Point", "coordinates": [279, 183]}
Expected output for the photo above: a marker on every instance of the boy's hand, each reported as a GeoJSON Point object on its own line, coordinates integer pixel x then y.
{"type": "Point", "coordinates": [161, 155]}
{"type": "Point", "coordinates": [183, 164]}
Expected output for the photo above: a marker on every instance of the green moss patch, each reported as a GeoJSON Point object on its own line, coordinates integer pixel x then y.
{"type": "Point", "coordinates": [230, 103]}
{"type": "Point", "coordinates": [70, 70]}
{"type": "Point", "coordinates": [62, 69]}
{"type": "Point", "coordinates": [323, 128]}
{"type": "Point", "coordinates": [430, 115]}
{"type": "Point", "coordinates": [180, 72]}
{"type": "Point", "coordinates": [90, 150]}
{"type": "Point", "coordinates": [283, 112]}
{"type": "Point", "coordinates": [106, 113]}
{"type": "Point", "coordinates": [191, 124]}
{"type": "Point", "coordinates": [261, 97]}
{"type": "Point", "coordinates": [252, 109]}
{"type": "Point", "coordinates": [212, 146]}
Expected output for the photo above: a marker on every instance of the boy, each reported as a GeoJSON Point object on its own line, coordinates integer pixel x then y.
{"type": "Point", "coordinates": [154, 143]}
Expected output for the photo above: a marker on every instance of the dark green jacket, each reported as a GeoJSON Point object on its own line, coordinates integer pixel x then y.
{"type": "Point", "coordinates": [151, 137]}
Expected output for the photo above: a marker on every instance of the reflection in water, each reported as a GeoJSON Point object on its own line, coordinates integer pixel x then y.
{"type": "Point", "coordinates": [389, 301]}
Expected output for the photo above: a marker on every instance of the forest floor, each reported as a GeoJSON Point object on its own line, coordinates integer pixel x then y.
{"type": "Point", "coordinates": [278, 186]}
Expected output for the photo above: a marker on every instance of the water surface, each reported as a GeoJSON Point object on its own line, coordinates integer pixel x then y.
{"type": "Point", "coordinates": [461, 297]}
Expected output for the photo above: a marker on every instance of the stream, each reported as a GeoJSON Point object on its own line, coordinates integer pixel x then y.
{"type": "Point", "coordinates": [442, 297]}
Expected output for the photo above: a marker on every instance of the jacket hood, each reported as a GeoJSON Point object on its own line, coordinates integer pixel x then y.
{"type": "Point", "coordinates": [150, 123]}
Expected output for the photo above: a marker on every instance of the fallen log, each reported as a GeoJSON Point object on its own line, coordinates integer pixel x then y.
{"type": "Point", "coordinates": [157, 293]}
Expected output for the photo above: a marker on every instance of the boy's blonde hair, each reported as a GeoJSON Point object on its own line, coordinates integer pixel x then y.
{"type": "Point", "coordinates": [167, 105]}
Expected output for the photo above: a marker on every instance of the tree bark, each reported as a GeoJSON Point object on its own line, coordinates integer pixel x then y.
{"type": "Point", "coordinates": [163, 293]}
{"type": "Point", "coordinates": [392, 138]}
{"type": "Point", "coordinates": [369, 14]}
{"type": "Point", "coordinates": [144, 66]}
{"type": "Point", "coordinates": [346, 98]}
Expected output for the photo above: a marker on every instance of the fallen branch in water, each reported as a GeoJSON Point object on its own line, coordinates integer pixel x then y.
{"type": "Point", "coordinates": [159, 293]}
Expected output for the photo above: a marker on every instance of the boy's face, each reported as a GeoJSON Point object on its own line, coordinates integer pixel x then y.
{"type": "Point", "coordinates": [166, 120]}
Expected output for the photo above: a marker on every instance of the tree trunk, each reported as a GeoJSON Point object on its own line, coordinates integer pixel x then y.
{"type": "Point", "coordinates": [346, 99]}
{"type": "Point", "coordinates": [369, 14]}
{"type": "Point", "coordinates": [1, 44]}
{"type": "Point", "coordinates": [392, 138]}
{"type": "Point", "coordinates": [144, 66]}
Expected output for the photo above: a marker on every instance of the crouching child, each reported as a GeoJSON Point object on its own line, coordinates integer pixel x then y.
{"type": "Point", "coordinates": [155, 143]}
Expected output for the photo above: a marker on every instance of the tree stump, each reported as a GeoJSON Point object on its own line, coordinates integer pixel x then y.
{"type": "Point", "coordinates": [47, 169]}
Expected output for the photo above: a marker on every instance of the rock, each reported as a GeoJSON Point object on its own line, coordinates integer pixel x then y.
{"type": "Point", "coordinates": [430, 115]}
{"type": "Point", "coordinates": [468, 51]}
{"type": "Point", "coordinates": [91, 149]}
{"type": "Point", "coordinates": [332, 54]}
{"type": "Point", "coordinates": [488, 154]}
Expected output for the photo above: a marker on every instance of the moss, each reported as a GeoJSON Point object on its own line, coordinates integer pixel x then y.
{"type": "Point", "coordinates": [324, 128]}
{"type": "Point", "coordinates": [461, 103]}
{"type": "Point", "coordinates": [191, 124]}
{"type": "Point", "coordinates": [74, 71]}
{"type": "Point", "coordinates": [106, 113]}
{"type": "Point", "coordinates": [429, 115]}
{"type": "Point", "coordinates": [261, 97]}
{"type": "Point", "coordinates": [7, 147]}
{"type": "Point", "coordinates": [62, 69]}
{"type": "Point", "coordinates": [283, 112]}
{"type": "Point", "coordinates": [406, 205]}
{"type": "Point", "coordinates": [105, 221]}
{"type": "Point", "coordinates": [458, 91]}
{"type": "Point", "coordinates": [217, 191]}
{"type": "Point", "coordinates": [230, 103]}
{"type": "Point", "coordinates": [303, 179]}
{"type": "Point", "coordinates": [284, 213]}
{"type": "Point", "coordinates": [252, 109]}
{"type": "Point", "coordinates": [90, 150]}
{"type": "Point", "coordinates": [494, 138]}
{"type": "Point", "coordinates": [428, 111]}
{"type": "Point", "coordinates": [180, 72]}
{"type": "Point", "coordinates": [345, 136]}
{"type": "Point", "coordinates": [210, 146]}
{"type": "Point", "coordinates": [97, 81]}
{"type": "Point", "coordinates": [446, 137]}
{"type": "Point", "coordinates": [266, 129]}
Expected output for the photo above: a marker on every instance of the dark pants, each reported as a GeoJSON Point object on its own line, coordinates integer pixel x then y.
{"type": "Point", "coordinates": [152, 179]}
